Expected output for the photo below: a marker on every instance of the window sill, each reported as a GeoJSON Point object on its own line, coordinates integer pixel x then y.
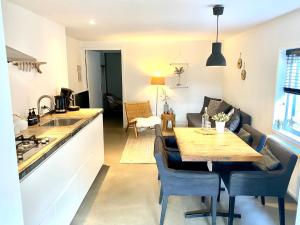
{"type": "Point", "coordinates": [290, 140]}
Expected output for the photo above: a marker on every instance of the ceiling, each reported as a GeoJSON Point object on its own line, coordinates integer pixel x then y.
{"type": "Point", "coordinates": [134, 19]}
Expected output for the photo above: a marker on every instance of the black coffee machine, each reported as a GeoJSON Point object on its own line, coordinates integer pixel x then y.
{"type": "Point", "coordinates": [70, 101]}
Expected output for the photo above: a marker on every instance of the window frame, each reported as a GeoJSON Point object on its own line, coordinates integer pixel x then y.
{"type": "Point", "coordinates": [283, 97]}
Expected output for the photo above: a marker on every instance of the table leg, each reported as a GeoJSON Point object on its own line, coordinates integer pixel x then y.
{"type": "Point", "coordinates": [164, 124]}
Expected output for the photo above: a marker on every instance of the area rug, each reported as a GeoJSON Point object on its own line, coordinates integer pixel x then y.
{"type": "Point", "coordinates": [139, 150]}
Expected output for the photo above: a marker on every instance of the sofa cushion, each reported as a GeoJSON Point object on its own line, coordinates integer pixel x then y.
{"type": "Point", "coordinates": [268, 161]}
{"type": "Point", "coordinates": [213, 107]}
{"type": "Point", "coordinates": [224, 107]}
{"type": "Point", "coordinates": [234, 121]}
{"type": "Point", "coordinates": [244, 119]}
{"type": "Point", "coordinates": [245, 136]}
{"type": "Point", "coordinates": [206, 102]}
{"type": "Point", "coordinates": [194, 119]}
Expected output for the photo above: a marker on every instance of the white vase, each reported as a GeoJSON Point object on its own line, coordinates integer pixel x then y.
{"type": "Point", "coordinates": [220, 126]}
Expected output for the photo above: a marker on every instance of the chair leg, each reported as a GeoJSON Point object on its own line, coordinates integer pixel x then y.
{"type": "Point", "coordinates": [160, 194]}
{"type": "Point", "coordinates": [127, 128]}
{"type": "Point", "coordinates": [213, 210]}
{"type": "Point", "coordinates": [219, 193]}
{"type": "Point", "coordinates": [281, 210]}
{"type": "Point", "coordinates": [263, 201]}
{"type": "Point", "coordinates": [135, 130]}
{"type": "Point", "coordinates": [231, 210]}
{"type": "Point", "coordinates": [163, 209]}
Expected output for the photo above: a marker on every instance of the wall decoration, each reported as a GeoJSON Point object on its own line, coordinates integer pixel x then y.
{"type": "Point", "coordinates": [243, 73]}
{"type": "Point", "coordinates": [240, 62]}
{"type": "Point", "coordinates": [179, 77]}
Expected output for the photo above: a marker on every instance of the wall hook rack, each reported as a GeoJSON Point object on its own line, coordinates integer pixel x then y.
{"type": "Point", "coordinates": [22, 61]}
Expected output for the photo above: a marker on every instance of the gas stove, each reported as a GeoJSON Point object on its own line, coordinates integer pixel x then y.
{"type": "Point", "coordinates": [28, 146]}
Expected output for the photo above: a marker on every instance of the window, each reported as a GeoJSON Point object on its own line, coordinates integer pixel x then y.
{"type": "Point", "coordinates": [287, 105]}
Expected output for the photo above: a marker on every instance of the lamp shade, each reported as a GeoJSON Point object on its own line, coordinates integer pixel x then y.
{"type": "Point", "coordinates": [216, 58]}
{"type": "Point", "coordinates": [157, 81]}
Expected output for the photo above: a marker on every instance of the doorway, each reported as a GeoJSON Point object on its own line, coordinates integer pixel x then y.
{"type": "Point", "coordinates": [104, 81]}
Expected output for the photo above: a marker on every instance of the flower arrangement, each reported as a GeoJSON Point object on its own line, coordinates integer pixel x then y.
{"type": "Point", "coordinates": [221, 117]}
{"type": "Point", "coordinates": [164, 96]}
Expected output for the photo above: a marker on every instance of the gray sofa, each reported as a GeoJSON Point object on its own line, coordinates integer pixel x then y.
{"type": "Point", "coordinates": [194, 119]}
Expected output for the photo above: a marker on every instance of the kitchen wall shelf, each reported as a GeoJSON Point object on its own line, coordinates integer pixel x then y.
{"type": "Point", "coordinates": [22, 61]}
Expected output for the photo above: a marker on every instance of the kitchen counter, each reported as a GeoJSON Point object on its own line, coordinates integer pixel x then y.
{"type": "Point", "coordinates": [61, 134]}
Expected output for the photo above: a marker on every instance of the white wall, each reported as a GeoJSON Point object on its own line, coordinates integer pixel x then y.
{"type": "Point", "coordinates": [74, 59]}
{"type": "Point", "coordinates": [94, 78]}
{"type": "Point", "coordinates": [42, 39]}
{"type": "Point", "coordinates": [141, 60]}
{"type": "Point", "coordinates": [260, 48]}
{"type": "Point", "coordinates": [10, 203]}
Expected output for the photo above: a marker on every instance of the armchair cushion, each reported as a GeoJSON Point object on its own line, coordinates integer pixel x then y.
{"type": "Point", "coordinates": [268, 162]}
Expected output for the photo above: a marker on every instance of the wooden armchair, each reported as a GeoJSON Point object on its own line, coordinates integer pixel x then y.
{"type": "Point", "coordinates": [134, 111]}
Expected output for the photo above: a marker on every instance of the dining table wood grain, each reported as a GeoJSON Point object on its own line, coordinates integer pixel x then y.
{"type": "Point", "coordinates": [206, 144]}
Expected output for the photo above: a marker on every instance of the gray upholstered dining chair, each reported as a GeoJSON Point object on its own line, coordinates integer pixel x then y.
{"type": "Point", "coordinates": [257, 142]}
{"type": "Point", "coordinates": [262, 183]}
{"type": "Point", "coordinates": [183, 182]}
{"type": "Point", "coordinates": [174, 158]}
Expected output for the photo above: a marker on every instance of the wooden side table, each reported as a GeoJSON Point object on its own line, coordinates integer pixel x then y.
{"type": "Point", "coordinates": [165, 118]}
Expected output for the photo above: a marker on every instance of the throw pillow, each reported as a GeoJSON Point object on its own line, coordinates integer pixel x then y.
{"type": "Point", "coordinates": [224, 107]}
{"type": "Point", "coordinates": [245, 136]}
{"type": "Point", "coordinates": [230, 113]}
{"type": "Point", "coordinates": [234, 121]}
{"type": "Point", "coordinates": [206, 102]}
{"type": "Point", "coordinates": [268, 161]}
{"type": "Point", "coordinates": [212, 107]}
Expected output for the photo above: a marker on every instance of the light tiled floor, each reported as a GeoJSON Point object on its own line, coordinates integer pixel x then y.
{"type": "Point", "coordinates": [127, 194]}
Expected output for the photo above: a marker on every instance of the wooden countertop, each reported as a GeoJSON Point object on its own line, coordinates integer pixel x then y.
{"type": "Point", "coordinates": [204, 144]}
{"type": "Point", "coordinates": [60, 133]}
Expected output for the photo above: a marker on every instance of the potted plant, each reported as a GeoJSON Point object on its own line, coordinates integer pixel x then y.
{"type": "Point", "coordinates": [165, 98]}
{"type": "Point", "coordinates": [220, 118]}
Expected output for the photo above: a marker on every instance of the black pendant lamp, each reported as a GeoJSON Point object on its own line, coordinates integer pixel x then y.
{"type": "Point", "coordinates": [216, 58]}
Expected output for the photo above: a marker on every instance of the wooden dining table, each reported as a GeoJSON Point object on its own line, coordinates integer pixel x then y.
{"type": "Point", "coordinates": [206, 144]}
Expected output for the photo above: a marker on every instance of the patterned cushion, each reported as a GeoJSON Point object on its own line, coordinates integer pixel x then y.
{"type": "Point", "coordinates": [213, 107]}
{"type": "Point", "coordinates": [245, 136]}
{"type": "Point", "coordinates": [224, 107]}
{"type": "Point", "coordinates": [206, 102]}
{"type": "Point", "coordinates": [268, 162]}
{"type": "Point", "coordinates": [231, 112]}
{"type": "Point", "coordinates": [234, 121]}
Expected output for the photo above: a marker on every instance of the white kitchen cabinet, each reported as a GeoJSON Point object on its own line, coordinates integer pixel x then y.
{"type": "Point", "coordinates": [53, 192]}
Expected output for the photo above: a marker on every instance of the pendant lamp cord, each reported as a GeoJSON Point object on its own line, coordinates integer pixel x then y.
{"type": "Point", "coordinates": [217, 28]}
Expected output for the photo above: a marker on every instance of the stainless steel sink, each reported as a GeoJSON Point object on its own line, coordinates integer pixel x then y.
{"type": "Point", "coordinates": [60, 122]}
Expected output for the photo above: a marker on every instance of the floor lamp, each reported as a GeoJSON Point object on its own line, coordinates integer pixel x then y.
{"type": "Point", "coordinates": [157, 81]}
